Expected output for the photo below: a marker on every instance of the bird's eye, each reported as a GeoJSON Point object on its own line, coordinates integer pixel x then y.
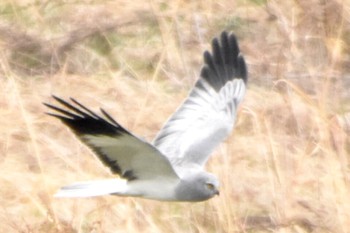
{"type": "Point", "coordinates": [210, 186]}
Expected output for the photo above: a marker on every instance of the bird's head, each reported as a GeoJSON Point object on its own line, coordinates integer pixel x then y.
{"type": "Point", "coordinates": [199, 186]}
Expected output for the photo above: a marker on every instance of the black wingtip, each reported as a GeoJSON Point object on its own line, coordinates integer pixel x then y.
{"type": "Point", "coordinates": [242, 72]}
{"type": "Point", "coordinates": [225, 62]}
{"type": "Point", "coordinates": [65, 114]}
{"type": "Point", "coordinates": [82, 120]}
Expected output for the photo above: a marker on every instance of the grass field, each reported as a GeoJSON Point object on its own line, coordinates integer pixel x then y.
{"type": "Point", "coordinates": [284, 169]}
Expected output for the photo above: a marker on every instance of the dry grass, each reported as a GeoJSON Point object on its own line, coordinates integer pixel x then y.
{"type": "Point", "coordinates": [285, 168]}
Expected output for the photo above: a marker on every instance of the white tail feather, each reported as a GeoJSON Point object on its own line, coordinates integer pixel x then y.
{"type": "Point", "coordinates": [93, 188]}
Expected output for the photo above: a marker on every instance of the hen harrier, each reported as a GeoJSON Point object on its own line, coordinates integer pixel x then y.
{"type": "Point", "coordinates": [171, 168]}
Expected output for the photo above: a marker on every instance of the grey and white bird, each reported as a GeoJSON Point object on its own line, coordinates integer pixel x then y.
{"type": "Point", "coordinates": [171, 168]}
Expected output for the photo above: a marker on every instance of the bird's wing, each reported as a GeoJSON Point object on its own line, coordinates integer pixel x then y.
{"type": "Point", "coordinates": [124, 153]}
{"type": "Point", "coordinates": [207, 116]}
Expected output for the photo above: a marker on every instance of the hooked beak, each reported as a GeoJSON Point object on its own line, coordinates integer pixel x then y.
{"type": "Point", "coordinates": [217, 192]}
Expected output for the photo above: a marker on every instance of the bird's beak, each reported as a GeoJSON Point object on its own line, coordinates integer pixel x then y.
{"type": "Point", "coordinates": [217, 192]}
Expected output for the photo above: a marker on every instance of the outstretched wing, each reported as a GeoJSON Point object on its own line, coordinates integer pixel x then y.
{"type": "Point", "coordinates": [208, 114]}
{"type": "Point", "coordinates": [123, 153]}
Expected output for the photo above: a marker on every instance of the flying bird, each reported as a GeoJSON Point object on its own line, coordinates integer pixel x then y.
{"type": "Point", "coordinates": [171, 168]}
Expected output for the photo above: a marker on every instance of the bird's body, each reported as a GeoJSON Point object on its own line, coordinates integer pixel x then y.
{"type": "Point", "coordinates": [171, 168]}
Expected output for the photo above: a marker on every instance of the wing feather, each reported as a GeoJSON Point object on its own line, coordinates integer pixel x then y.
{"type": "Point", "coordinates": [124, 153]}
{"type": "Point", "coordinates": [208, 114]}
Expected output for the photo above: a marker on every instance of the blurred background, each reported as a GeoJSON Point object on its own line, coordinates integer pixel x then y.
{"type": "Point", "coordinates": [284, 169]}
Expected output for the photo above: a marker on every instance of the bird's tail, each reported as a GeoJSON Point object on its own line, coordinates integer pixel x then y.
{"type": "Point", "coordinates": [93, 188]}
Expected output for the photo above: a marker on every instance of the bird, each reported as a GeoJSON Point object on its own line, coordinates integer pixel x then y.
{"type": "Point", "coordinates": [172, 166]}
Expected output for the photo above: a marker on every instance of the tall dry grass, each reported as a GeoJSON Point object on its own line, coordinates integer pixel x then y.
{"type": "Point", "coordinates": [284, 169]}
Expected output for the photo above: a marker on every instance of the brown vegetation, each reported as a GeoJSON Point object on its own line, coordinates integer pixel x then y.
{"type": "Point", "coordinates": [284, 169]}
